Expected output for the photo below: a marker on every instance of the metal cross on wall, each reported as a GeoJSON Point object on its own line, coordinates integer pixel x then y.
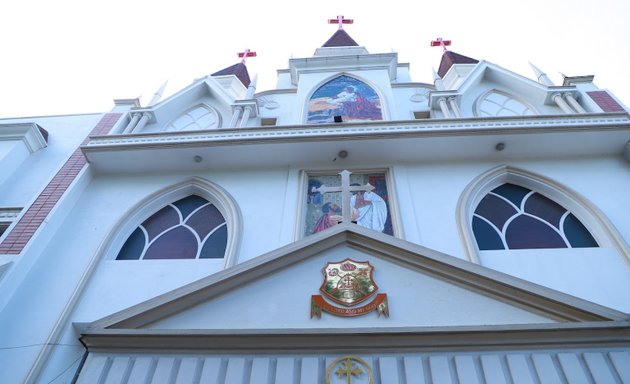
{"type": "Point", "coordinates": [341, 21]}
{"type": "Point", "coordinates": [439, 42]}
{"type": "Point", "coordinates": [247, 53]}
{"type": "Point", "coordinates": [346, 193]}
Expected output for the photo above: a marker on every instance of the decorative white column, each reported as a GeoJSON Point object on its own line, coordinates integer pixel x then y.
{"type": "Point", "coordinates": [444, 107]}
{"type": "Point", "coordinates": [132, 123]}
{"type": "Point", "coordinates": [572, 102]}
{"type": "Point", "coordinates": [557, 98]}
{"type": "Point", "coordinates": [143, 121]}
{"type": "Point", "coordinates": [453, 103]}
{"type": "Point", "coordinates": [246, 112]}
{"type": "Point", "coordinates": [235, 115]}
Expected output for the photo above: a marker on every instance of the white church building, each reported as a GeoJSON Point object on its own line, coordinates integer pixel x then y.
{"type": "Point", "coordinates": [349, 226]}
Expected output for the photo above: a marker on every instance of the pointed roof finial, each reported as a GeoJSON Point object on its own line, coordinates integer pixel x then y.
{"type": "Point", "coordinates": [341, 21]}
{"type": "Point", "coordinates": [541, 76]}
{"type": "Point", "coordinates": [437, 81]}
{"type": "Point", "coordinates": [441, 43]}
{"type": "Point", "coordinates": [244, 55]}
{"type": "Point", "coordinates": [158, 94]}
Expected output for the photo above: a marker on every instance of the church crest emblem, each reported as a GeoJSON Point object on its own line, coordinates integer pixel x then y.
{"type": "Point", "coordinates": [348, 283]}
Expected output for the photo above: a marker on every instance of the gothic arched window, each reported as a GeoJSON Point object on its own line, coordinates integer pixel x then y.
{"type": "Point", "coordinates": [344, 99]}
{"type": "Point", "coordinates": [189, 228]}
{"type": "Point", "coordinates": [514, 217]}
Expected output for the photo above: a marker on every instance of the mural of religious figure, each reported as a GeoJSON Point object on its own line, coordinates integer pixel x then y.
{"type": "Point", "coordinates": [368, 208]}
{"type": "Point", "coordinates": [347, 97]}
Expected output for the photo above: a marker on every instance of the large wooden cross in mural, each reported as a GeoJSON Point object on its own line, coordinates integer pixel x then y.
{"type": "Point", "coordinates": [346, 193]}
{"type": "Point", "coordinates": [341, 21]}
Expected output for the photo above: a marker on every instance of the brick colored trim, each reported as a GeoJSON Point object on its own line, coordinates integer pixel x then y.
{"type": "Point", "coordinates": [24, 230]}
{"type": "Point", "coordinates": [605, 101]}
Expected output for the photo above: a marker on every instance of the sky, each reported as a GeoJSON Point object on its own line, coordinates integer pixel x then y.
{"type": "Point", "coordinates": [72, 57]}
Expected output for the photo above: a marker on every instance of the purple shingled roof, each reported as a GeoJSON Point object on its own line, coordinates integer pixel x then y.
{"type": "Point", "coordinates": [239, 70]}
{"type": "Point", "coordinates": [449, 58]}
{"type": "Point", "coordinates": [340, 39]}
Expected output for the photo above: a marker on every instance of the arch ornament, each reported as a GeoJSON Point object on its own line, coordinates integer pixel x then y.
{"type": "Point", "coordinates": [353, 99]}
{"type": "Point", "coordinates": [214, 194]}
{"type": "Point", "coordinates": [590, 216]}
{"type": "Point", "coordinates": [496, 103]}
{"type": "Point", "coordinates": [197, 118]}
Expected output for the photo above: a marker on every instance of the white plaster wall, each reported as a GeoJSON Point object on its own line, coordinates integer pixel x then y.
{"type": "Point", "coordinates": [65, 135]}
{"type": "Point", "coordinates": [12, 154]}
{"type": "Point", "coordinates": [431, 192]}
{"type": "Point", "coordinates": [282, 300]}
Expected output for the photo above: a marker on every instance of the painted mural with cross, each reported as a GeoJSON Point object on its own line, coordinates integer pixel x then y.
{"type": "Point", "coordinates": [360, 198]}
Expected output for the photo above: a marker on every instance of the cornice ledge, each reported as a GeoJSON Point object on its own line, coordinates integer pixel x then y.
{"type": "Point", "coordinates": [30, 134]}
{"type": "Point", "coordinates": [608, 333]}
{"type": "Point", "coordinates": [374, 130]}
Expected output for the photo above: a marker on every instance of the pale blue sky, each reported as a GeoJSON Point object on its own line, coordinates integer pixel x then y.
{"type": "Point", "coordinates": [72, 56]}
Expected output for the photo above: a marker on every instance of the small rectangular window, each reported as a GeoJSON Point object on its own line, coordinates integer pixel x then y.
{"type": "Point", "coordinates": [418, 115]}
{"type": "Point", "coordinates": [268, 121]}
{"type": "Point", "coordinates": [7, 217]}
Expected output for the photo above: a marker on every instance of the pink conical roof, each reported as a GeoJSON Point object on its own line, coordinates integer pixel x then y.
{"type": "Point", "coordinates": [239, 70]}
{"type": "Point", "coordinates": [340, 39]}
{"type": "Point", "coordinates": [449, 58]}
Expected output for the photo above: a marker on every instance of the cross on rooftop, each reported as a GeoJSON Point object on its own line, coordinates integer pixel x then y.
{"type": "Point", "coordinates": [346, 193]}
{"type": "Point", "coordinates": [441, 43]}
{"type": "Point", "coordinates": [247, 53]}
{"type": "Point", "coordinates": [341, 21]}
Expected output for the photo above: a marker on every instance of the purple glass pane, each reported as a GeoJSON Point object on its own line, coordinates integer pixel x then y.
{"type": "Point", "coordinates": [548, 210]}
{"type": "Point", "coordinates": [495, 210]}
{"type": "Point", "coordinates": [514, 193]}
{"type": "Point", "coordinates": [205, 220]}
{"type": "Point", "coordinates": [486, 235]}
{"type": "Point", "coordinates": [163, 219]}
{"type": "Point", "coordinates": [526, 232]}
{"type": "Point", "coordinates": [189, 204]}
{"type": "Point", "coordinates": [178, 243]}
{"type": "Point", "coordinates": [215, 245]}
{"type": "Point", "coordinates": [133, 247]}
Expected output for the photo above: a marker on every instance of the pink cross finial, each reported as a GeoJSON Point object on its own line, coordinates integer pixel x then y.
{"type": "Point", "coordinates": [441, 43]}
{"type": "Point", "coordinates": [247, 53]}
{"type": "Point", "coordinates": [341, 21]}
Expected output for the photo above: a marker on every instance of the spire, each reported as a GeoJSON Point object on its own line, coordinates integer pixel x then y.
{"type": "Point", "coordinates": [541, 76]}
{"type": "Point", "coordinates": [340, 38]}
{"type": "Point", "coordinates": [251, 89]}
{"type": "Point", "coordinates": [449, 58]}
{"type": "Point", "coordinates": [158, 94]}
{"type": "Point", "coordinates": [239, 69]}
{"type": "Point", "coordinates": [437, 81]}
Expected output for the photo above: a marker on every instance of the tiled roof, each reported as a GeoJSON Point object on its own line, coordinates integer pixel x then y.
{"type": "Point", "coordinates": [449, 58]}
{"type": "Point", "coordinates": [340, 39]}
{"type": "Point", "coordinates": [239, 70]}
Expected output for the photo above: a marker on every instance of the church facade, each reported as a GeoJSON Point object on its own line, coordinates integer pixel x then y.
{"type": "Point", "coordinates": [349, 226]}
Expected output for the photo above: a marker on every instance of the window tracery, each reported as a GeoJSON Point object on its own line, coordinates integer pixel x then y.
{"type": "Point", "coordinates": [189, 228]}
{"type": "Point", "coordinates": [514, 217]}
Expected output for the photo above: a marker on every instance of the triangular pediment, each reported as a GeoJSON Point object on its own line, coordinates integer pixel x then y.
{"type": "Point", "coordinates": [425, 288]}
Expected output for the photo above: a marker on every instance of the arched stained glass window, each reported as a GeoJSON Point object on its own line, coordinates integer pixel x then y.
{"type": "Point", "coordinates": [346, 98]}
{"type": "Point", "coordinates": [190, 228]}
{"type": "Point", "coordinates": [514, 217]}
